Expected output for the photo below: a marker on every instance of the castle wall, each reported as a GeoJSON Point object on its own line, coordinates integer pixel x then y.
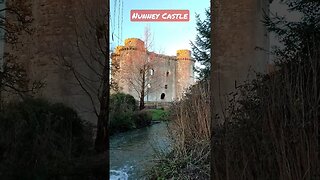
{"type": "Point", "coordinates": [2, 33]}
{"type": "Point", "coordinates": [55, 24]}
{"type": "Point", "coordinates": [132, 56]}
{"type": "Point", "coordinates": [170, 78]}
{"type": "Point", "coordinates": [164, 79]}
{"type": "Point", "coordinates": [238, 37]}
{"type": "Point", "coordinates": [184, 72]}
{"type": "Point", "coordinates": [115, 69]}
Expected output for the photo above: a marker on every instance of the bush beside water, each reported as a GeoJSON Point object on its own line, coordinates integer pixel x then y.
{"type": "Point", "coordinates": [142, 119]}
{"type": "Point", "coordinates": [124, 114]}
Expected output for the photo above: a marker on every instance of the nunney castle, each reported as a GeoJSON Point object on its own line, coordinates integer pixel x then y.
{"type": "Point", "coordinates": [164, 78]}
{"type": "Point", "coordinates": [167, 77]}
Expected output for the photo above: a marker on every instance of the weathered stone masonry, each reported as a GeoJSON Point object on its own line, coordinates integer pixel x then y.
{"type": "Point", "coordinates": [174, 73]}
{"type": "Point", "coordinates": [238, 37]}
{"type": "Point", "coordinates": [54, 35]}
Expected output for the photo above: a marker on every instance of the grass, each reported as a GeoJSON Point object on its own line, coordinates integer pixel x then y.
{"type": "Point", "coordinates": [159, 114]}
{"type": "Point", "coordinates": [272, 129]}
{"type": "Point", "coordinates": [190, 134]}
{"type": "Point", "coordinates": [176, 165]}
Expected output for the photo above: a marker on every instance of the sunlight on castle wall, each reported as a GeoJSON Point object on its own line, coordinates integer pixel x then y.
{"type": "Point", "coordinates": [156, 77]}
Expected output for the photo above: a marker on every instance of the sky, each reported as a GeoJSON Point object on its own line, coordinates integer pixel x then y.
{"type": "Point", "coordinates": [168, 37]}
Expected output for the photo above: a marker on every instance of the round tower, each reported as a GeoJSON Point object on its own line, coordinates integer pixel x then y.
{"type": "Point", "coordinates": [115, 58]}
{"type": "Point", "coordinates": [184, 72]}
{"type": "Point", "coordinates": [135, 42]}
{"type": "Point", "coordinates": [115, 69]}
{"type": "Point", "coordinates": [132, 56]}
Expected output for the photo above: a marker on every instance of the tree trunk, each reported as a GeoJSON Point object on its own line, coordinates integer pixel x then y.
{"type": "Point", "coordinates": [141, 106]}
{"type": "Point", "coordinates": [142, 88]}
{"type": "Point", "coordinates": [102, 137]}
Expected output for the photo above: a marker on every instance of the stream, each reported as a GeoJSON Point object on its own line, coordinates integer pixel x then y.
{"type": "Point", "coordinates": [131, 153]}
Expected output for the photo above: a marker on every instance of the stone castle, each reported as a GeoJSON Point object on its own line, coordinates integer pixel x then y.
{"type": "Point", "coordinates": [238, 34]}
{"type": "Point", "coordinates": [166, 77]}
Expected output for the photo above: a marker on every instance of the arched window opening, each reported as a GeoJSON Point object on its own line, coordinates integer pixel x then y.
{"type": "Point", "coordinates": [167, 74]}
{"type": "Point", "coordinates": [166, 86]}
{"type": "Point", "coordinates": [163, 95]}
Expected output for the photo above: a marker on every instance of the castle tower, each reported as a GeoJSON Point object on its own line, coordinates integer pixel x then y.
{"type": "Point", "coordinates": [115, 69]}
{"type": "Point", "coordinates": [166, 79]}
{"type": "Point", "coordinates": [184, 72]}
{"type": "Point", "coordinates": [132, 54]}
{"type": "Point", "coordinates": [136, 43]}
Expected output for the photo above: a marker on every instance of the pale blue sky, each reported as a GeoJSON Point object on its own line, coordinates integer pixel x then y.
{"type": "Point", "coordinates": [167, 36]}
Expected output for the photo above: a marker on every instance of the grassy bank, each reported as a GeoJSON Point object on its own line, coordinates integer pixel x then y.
{"type": "Point", "coordinates": [159, 114]}
{"type": "Point", "coordinates": [190, 132]}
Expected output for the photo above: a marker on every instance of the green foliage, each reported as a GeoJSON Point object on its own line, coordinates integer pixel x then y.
{"type": "Point", "coordinates": [201, 48]}
{"type": "Point", "coordinates": [122, 107]}
{"type": "Point", "coordinates": [159, 114]}
{"type": "Point", "coordinates": [37, 139]}
{"type": "Point", "coordinates": [124, 115]}
{"type": "Point", "coordinates": [300, 38]}
{"type": "Point", "coordinates": [121, 122]}
{"type": "Point", "coordinates": [142, 119]}
{"type": "Point", "coordinates": [121, 102]}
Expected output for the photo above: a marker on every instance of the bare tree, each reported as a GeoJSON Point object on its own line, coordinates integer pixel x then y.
{"type": "Point", "coordinates": [148, 38]}
{"type": "Point", "coordinates": [91, 69]}
{"type": "Point", "coordinates": [15, 20]}
{"type": "Point", "coordinates": [141, 78]}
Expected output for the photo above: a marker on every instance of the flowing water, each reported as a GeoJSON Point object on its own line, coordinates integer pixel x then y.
{"type": "Point", "coordinates": [131, 152]}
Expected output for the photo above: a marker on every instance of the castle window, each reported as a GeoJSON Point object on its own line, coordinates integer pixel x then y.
{"type": "Point", "coordinates": [167, 74]}
{"type": "Point", "coordinates": [151, 72]}
{"type": "Point", "coordinates": [162, 96]}
{"type": "Point", "coordinates": [166, 86]}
